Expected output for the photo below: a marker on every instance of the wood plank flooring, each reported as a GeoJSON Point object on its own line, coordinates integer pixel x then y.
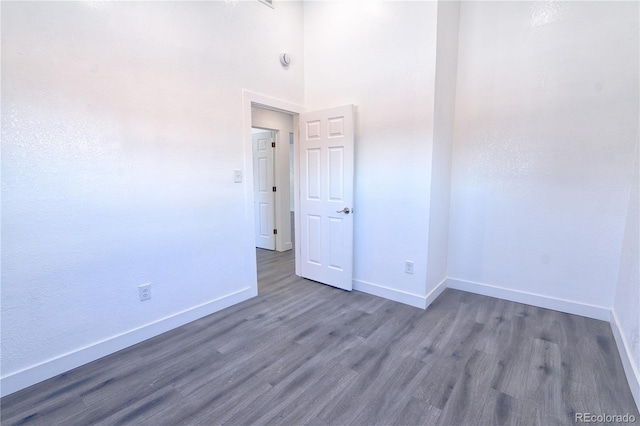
{"type": "Point", "coordinates": [305, 353]}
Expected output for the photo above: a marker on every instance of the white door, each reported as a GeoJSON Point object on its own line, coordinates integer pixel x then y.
{"type": "Point", "coordinates": [326, 196]}
{"type": "Point", "coordinates": [263, 194]}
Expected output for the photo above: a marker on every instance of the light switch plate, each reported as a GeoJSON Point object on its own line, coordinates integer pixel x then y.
{"type": "Point", "coordinates": [237, 176]}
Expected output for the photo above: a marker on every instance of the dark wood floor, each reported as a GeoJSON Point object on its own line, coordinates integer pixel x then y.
{"type": "Point", "coordinates": [305, 353]}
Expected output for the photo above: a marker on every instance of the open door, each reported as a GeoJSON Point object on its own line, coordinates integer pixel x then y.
{"type": "Point", "coordinates": [326, 196]}
{"type": "Point", "coordinates": [263, 196]}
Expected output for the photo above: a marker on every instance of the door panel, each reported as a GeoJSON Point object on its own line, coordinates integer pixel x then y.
{"type": "Point", "coordinates": [326, 189]}
{"type": "Point", "coordinates": [313, 174]}
{"type": "Point", "coordinates": [336, 174]}
{"type": "Point", "coordinates": [314, 239]}
{"type": "Point", "coordinates": [336, 243]}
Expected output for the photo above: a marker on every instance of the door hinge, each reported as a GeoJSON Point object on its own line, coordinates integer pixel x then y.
{"type": "Point", "coordinates": [273, 144]}
{"type": "Point", "coordinates": [274, 189]}
{"type": "Point", "coordinates": [275, 232]}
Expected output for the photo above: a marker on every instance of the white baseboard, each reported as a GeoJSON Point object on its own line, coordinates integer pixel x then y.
{"type": "Point", "coordinates": [562, 305]}
{"type": "Point", "coordinates": [630, 369]}
{"type": "Point", "coordinates": [51, 368]}
{"type": "Point", "coordinates": [287, 246]}
{"type": "Point", "coordinates": [390, 293]}
{"type": "Point", "coordinates": [433, 295]}
{"type": "Point", "coordinates": [411, 299]}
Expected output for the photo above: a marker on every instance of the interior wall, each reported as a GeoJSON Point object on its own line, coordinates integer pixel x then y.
{"type": "Point", "coordinates": [444, 112]}
{"type": "Point", "coordinates": [626, 308]}
{"type": "Point", "coordinates": [380, 56]}
{"type": "Point", "coordinates": [121, 129]}
{"type": "Point", "coordinates": [546, 125]}
{"type": "Point", "coordinates": [269, 119]}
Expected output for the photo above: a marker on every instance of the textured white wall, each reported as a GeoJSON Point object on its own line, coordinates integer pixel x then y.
{"type": "Point", "coordinates": [121, 128]}
{"type": "Point", "coordinates": [443, 124]}
{"type": "Point", "coordinates": [546, 125]}
{"type": "Point", "coordinates": [380, 56]}
{"type": "Point", "coordinates": [626, 307]}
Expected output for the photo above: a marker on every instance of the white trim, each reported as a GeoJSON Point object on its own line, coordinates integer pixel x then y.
{"type": "Point", "coordinates": [400, 296]}
{"type": "Point", "coordinates": [269, 102]}
{"type": "Point", "coordinates": [287, 246]}
{"type": "Point", "coordinates": [630, 369]}
{"type": "Point", "coordinates": [250, 99]}
{"type": "Point", "coordinates": [51, 368]}
{"type": "Point", "coordinates": [390, 293]}
{"type": "Point", "coordinates": [296, 193]}
{"type": "Point", "coordinates": [433, 295]}
{"type": "Point", "coordinates": [562, 305]}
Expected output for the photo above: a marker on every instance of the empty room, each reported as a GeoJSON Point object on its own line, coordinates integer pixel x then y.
{"type": "Point", "coordinates": [361, 212]}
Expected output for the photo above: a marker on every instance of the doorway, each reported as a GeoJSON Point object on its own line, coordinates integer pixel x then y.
{"type": "Point", "coordinates": [252, 102]}
{"type": "Point", "coordinates": [272, 134]}
{"type": "Point", "coordinates": [323, 147]}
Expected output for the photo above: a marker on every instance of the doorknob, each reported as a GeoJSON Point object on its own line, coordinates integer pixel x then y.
{"type": "Point", "coordinates": [346, 210]}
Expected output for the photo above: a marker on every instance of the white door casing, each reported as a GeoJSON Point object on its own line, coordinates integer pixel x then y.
{"type": "Point", "coordinates": [326, 196]}
{"type": "Point", "coordinates": [263, 195]}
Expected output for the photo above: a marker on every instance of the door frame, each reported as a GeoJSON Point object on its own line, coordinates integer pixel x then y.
{"type": "Point", "coordinates": [252, 99]}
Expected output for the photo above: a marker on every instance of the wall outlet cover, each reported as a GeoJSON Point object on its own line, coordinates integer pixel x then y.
{"type": "Point", "coordinates": [144, 291]}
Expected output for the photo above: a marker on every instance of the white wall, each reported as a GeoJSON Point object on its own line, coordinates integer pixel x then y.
{"type": "Point", "coordinates": [546, 125]}
{"type": "Point", "coordinates": [275, 120]}
{"type": "Point", "coordinates": [444, 111]}
{"type": "Point", "coordinates": [121, 128]}
{"type": "Point", "coordinates": [380, 56]}
{"type": "Point", "coordinates": [626, 308]}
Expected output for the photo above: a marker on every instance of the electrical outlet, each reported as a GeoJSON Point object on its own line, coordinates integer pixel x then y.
{"type": "Point", "coordinates": [145, 291]}
{"type": "Point", "coordinates": [408, 267]}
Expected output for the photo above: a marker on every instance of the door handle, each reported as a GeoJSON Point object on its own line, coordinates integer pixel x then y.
{"type": "Point", "coordinates": [346, 210]}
